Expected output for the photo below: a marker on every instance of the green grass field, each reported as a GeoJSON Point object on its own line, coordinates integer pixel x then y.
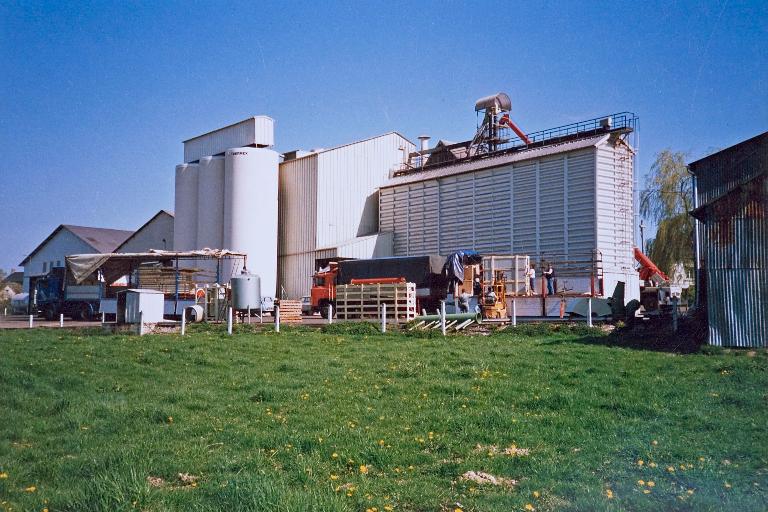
{"type": "Point", "coordinates": [356, 421]}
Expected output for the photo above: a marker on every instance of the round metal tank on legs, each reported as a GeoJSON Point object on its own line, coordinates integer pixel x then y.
{"type": "Point", "coordinates": [250, 212]}
{"type": "Point", "coordinates": [246, 292]}
{"type": "Point", "coordinates": [185, 214]}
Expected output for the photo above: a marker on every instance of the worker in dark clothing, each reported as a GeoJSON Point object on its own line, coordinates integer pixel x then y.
{"type": "Point", "coordinates": [477, 288]}
{"type": "Point", "coordinates": [550, 275]}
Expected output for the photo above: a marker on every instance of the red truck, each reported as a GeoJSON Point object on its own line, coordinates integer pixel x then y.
{"type": "Point", "coordinates": [424, 271]}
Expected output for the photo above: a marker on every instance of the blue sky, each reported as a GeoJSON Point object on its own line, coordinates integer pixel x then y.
{"type": "Point", "coordinates": [95, 98]}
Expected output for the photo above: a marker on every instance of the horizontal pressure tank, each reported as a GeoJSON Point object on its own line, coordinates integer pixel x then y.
{"type": "Point", "coordinates": [246, 291]}
{"type": "Point", "coordinates": [185, 211]}
{"type": "Point", "coordinates": [250, 212]}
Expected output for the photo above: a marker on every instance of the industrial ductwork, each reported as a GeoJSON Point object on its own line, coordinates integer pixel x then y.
{"type": "Point", "coordinates": [497, 102]}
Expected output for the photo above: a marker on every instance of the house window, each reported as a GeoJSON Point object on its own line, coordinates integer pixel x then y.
{"type": "Point", "coordinates": [45, 266]}
{"type": "Point", "coordinates": [58, 263]}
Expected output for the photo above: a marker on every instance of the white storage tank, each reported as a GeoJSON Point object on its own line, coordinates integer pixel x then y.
{"type": "Point", "coordinates": [250, 211]}
{"type": "Point", "coordinates": [246, 291]}
{"type": "Point", "coordinates": [185, 221]}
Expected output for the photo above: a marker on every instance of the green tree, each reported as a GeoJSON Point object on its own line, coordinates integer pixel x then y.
{"type": "Point", "coordinates": [666, 201]}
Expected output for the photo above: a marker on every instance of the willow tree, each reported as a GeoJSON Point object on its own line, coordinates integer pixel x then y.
{"type": "Point", "coordinates": [666, 200]}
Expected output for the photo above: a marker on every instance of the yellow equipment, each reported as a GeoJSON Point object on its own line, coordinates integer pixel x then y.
{"type": "Point", "coordinates": [495, 302]}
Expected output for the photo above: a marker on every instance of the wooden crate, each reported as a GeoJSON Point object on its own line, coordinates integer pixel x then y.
{"type": "Point", "coordinates": [363, 301]}
{"type": "Point", "coordinates": [290, 311]}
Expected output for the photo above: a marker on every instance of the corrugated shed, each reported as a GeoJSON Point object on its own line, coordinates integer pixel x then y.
{"type": "Point", "coordinates": [295, 275]}
{"type": "Point", "coordinates": [254, 131]}
{"type": "Point", "coordinates": [364, 247]}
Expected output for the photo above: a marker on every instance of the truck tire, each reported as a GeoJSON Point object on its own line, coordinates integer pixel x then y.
{"type": "Point", "coordinates": [83, 312]}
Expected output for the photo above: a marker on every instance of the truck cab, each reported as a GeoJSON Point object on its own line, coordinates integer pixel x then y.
{"type": "Point", "coordinates": [323, 291]}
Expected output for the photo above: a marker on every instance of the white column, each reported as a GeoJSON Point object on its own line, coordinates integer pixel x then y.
{"type": "Point", "coordinates": [183, 322]}
{"type": "Point", "coordinates": [442, 317]}
{"type": "Point", "coordinates": [514, 312]}
{"type": "Point", "coordinates": [229, 320]}
{"type": "Point", "coordinates": [31, 321]}
{"type": "Point", "coordinates": [589, 312]}
{"type": "Point", "coordinates": [277, 318]}
{"type": "Point", "coordinates": [384, 317]}
{"type": "Point", "coordinates": [61, 320]}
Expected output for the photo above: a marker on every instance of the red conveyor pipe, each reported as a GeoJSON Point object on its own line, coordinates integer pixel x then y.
{"type": "Point", "coordinates": [507, 121]}
{"type": "Point", "coordinates": [648, 268]}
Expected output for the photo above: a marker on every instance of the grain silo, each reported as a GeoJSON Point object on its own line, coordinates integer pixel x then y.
{"type": "Point", "coordinates": [185, 199]}
{"type": "Point", "coordinates": [250, 210]}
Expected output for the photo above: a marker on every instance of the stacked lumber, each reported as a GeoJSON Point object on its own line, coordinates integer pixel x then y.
{"type": "Point", "coordinates": [290, 311]}
{"type": "Point", "coordinates": [364, 301]}
{"type": "Point", "coordinates": [163, 279]}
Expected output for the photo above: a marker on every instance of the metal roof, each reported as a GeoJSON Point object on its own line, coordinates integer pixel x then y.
{"type": "Point", "coordinates": [100, 239]}
{"type": "Point", "coordinates": [505, 159]}
{"type": "Point", "coordinates": [325, 150]}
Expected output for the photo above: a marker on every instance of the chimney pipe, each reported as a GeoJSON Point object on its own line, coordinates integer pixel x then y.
{"type": "Point", "coordinates": [424, 142]}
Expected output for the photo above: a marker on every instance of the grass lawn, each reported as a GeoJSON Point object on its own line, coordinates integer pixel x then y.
{"type": "Point", "coordinates": [308, 420]}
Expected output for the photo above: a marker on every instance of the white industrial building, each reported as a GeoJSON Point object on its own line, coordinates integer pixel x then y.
{"type": "Point", "coordinates": [156, 233]}
{"type": "Point", "coordinates": [66, 240]}
{"type": "Point", "coordinates": [329, 206]}
{"type": "Point", "coordinates": [563, 196]}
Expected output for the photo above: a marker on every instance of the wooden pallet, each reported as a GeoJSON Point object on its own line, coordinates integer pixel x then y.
{"type": "Point", "coordinates": [364, 301]}
{"type": "Point", "coordinates": [290, 311]}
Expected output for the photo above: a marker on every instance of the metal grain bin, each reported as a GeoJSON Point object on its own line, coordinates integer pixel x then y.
{"type": "Point", "coordinates": [246, 291]}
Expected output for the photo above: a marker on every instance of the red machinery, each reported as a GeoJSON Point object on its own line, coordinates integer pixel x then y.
{"type": "Point", "coordinates": [507, 121]}
{"type": "Point", "coordinates": [648, 269]}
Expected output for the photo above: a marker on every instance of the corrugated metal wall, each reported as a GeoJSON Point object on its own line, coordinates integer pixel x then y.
{"type": "Point", "coordinates": [615, 223]}
{"type": "Point", "coordinates": [735, 243]}
{"type": "Point", "coordinates": [350, 176]}
{"type": "Point", "coordinates": [532, 207]}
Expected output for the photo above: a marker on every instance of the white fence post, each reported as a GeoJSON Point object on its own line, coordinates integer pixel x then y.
{"type": "Point", "coordinates": [330, 313]}
{"type": "Point", "coordinates": [31, 321]}
{"type": "Point", "coordinates": [103, 317]}
{"type": "Point", "coordinates": [442, 317]}
{"type": "Point", "coordinates": [5, 312]}
{"type": "Point", "coordinates": [229, 320]}
{"type": "Point", "coordinates": [249, 315]}
{"type": "Point", "coordinates": [277, 318]}
{"type": "Point", "coordinates": [141, 323]}
{"type": "Point", "coordinates": [589, 312]}
{"type": "Point", "coordinates": [384, 317]}
{"type": "Point", "coordinates": [514, 312]}
{"type": "Point", "coordinates": [61, 320]}
{"type": "Point", "coordinates": [183, 322]}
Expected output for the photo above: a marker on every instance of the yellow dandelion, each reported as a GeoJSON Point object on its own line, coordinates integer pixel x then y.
{"type": "Point", "coordinates": [529, 507]}
{"type": "Point", "coordinates": [640, 462]}
{"type": "Point", "coordinates": [727, 485]}
{"type": "Point", "coordinates": [334, 455]}
{"type": "Point", "coordinates": [381, 442]}
{"type": "Point", "coordinates": [689, 491]}
{"type": "Point", "coordinates": [31, 488]}
{"type": "Point", "coordinates": [170, 419]}
{"type": "Point", "coordinates": [457, 509]}
{"type": "Point", "coordinates": [652, 464]}
{"type": "Point", "coordinates": [334, 477]}
{"type": "Point", "coordinates": [646, 491]}
{"type": "Point", "coordinates": [641, 482]}
{"type": "Point", "coordinates": [701, 459]}
{"type": "Point", "coordinates": [410, 468]}
{"type": "Point", "coordinates": [536, 494]}
{"type": "Point", "coordinates": [651, 483]}
{"type": "Point", "coordinates": [363, 469]}
{"type": "Point", "coordinates": [388, 508]}
{"type": "Point", "coordinates": [671, 469]}
{"type": "Point", "coordinates": [609, 494]}
{"type": "Point", "coordinates": [654, 442]}
{"type": "Point", "coordinates": [3, 475]}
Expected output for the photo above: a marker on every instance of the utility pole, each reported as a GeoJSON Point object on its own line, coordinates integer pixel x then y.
{"type": "Point", "coordinates": [642, 236]}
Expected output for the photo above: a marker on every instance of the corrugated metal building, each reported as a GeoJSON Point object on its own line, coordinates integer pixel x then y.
{"type": "Point", "coordinates": [732, 278]}
{"type": "Point", "coordinates": [560, 202]}
{"type": "Point", "coordinates": [328, 206]}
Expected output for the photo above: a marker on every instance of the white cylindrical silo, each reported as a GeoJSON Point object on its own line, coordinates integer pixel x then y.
{"type": "Point", "coordinates": [210, 203]}
{"type": "Point", "coordinates": [250, 211]}
{"type": "Point", "coordinates": [185, 214]}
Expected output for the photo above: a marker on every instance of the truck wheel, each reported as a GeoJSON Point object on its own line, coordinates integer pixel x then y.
{"type": "Point", "coordinates": [324, 310]}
